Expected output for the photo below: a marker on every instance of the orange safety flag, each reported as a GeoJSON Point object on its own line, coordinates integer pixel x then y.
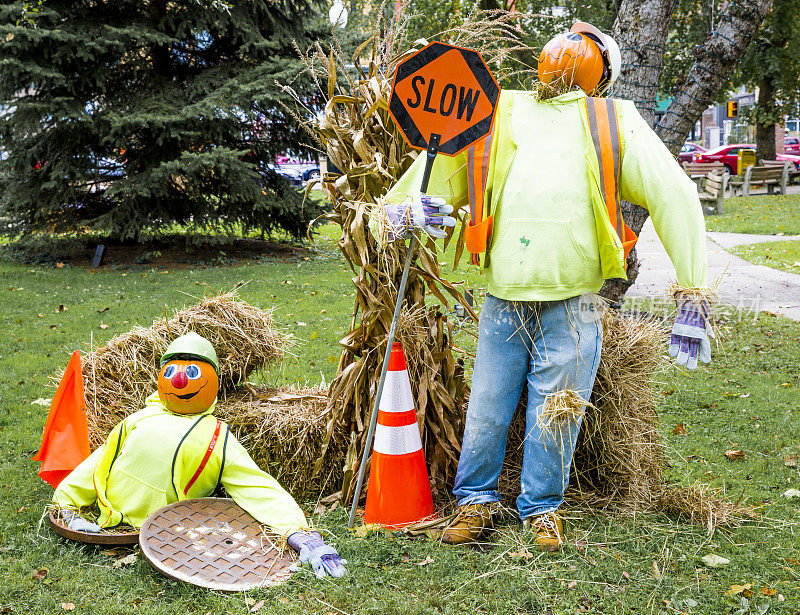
{"type": "Point", "coordinates": [65, 440]}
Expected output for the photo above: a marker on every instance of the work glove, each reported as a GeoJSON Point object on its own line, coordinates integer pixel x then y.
{"type": "Point", "coordinates": [323, 558]}
{"type": "Point", "coordinates": [78, 523]}
{"type": "Point", "coordinates": [424, 212]}
{"type": "Point", "coordinates": [689, 341]}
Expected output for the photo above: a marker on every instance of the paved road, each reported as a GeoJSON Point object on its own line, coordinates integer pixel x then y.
{"type": "Point", "coordinates": [741, 283]}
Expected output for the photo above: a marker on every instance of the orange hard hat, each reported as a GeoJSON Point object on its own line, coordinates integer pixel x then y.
{"type": "Point", "coordinates": [573, 59]}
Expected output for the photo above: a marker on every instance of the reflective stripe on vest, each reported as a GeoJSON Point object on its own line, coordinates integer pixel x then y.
{"type": "Point", "coordinates": [477, 233]}
{"type": "Point", "coordinates": [602, 115]}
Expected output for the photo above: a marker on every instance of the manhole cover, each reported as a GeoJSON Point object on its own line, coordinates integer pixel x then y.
{"type": "Point", "coordinates": [213, 543]}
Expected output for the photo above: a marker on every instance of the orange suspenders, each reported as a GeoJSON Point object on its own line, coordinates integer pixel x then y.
{"type": "Point", "coordinates": [604, 127]}
{"type": "Point", "coordinates": [476, 235]}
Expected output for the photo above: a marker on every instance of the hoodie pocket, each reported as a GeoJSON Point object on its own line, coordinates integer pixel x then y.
{"type": "Point", "coordinates": [532, 252]}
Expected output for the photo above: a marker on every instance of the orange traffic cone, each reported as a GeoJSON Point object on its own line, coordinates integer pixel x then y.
{"type": "Point", "coordinates": [65, 441]}
{"type": "Point", "coordinates": [399, 492]}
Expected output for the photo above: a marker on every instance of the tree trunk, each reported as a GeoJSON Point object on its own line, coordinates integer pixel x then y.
{"type": "Point", "coordinates": [765, 120]}
{"type": "Point", "coordinates": [641, 29]}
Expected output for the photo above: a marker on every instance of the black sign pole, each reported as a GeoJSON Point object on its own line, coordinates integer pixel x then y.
{"type": "Point", "coordinates": [433, 148]}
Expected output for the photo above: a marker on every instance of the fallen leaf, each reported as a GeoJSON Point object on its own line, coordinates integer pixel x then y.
{"type": "Point", "coordinates": [125, 561]}
{"type": "Point", "coordinates": [715, 561]}
{"type": "Point", "coordinates": [522, 554]}
{"type": "Point", "coordinates": [426, 561]}
{"type": "Point", "coordinates": [768, 592]}
{"type": "Point", "coordinates": [680, 430]}
{"type": "Point", "coordinates": [735, 455]}
{"type": "Point", "coordinates": [39, 574]}
{"type": "Point", "coordinates": [791, 560]}
{"type": "Point", "coordinates": [67, 606]}
{"type": "Point", "coordinates": [104, 326]}
{"type": "Point", "coordinates": [257, 606]}
{"type": "Point", "coordinates": [363, 530]}
{"type": "Point", "coordinates": [736, 590]}
{"type": "Point", "coordinates": [790, 460]}
{"type": "Point", "coordinates": [572, 585]}
{"type": "Point", "coordinates": [790, 494]}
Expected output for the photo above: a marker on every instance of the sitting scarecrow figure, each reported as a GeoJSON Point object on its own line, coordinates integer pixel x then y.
{"type": "Point", "coordinates": [175, 449]}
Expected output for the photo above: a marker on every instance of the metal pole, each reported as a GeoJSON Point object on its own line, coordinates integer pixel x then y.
{"type": "Point", "coordinates": [389, 341]}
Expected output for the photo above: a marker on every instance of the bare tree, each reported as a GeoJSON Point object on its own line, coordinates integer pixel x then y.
{"type": "Point", "coordinates": [641, 29]}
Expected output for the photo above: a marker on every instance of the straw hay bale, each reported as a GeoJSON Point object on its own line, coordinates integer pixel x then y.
{"type": "Point", "coordinates": [283, 431]}
{"type": "Point", "coordinates": [119, 376]}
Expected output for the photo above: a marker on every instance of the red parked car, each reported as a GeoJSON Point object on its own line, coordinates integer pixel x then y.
{"type": "Point", "coordinates": [791, 145]}
{"type": "Point", "coordinates": [793, 158]}
{"type": "Point", "coordinates": [726, 154]}
{"type": "Point", "coordinates": [688, 152]}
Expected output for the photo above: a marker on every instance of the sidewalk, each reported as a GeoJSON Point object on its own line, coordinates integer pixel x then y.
{"type": "Point", "coordinates": [741, 283]}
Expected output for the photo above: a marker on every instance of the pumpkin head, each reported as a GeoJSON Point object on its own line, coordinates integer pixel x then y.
{"type": "Point", "coordinates": [188, 381]}
{"type": "Point", "coordinates": [188, 386]}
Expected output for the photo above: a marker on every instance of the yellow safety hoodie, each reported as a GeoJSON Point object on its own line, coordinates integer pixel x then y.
{"type": "Point", "coordinates": [155, 457]}
{"type": "Point", "coordinates": [536, 192]}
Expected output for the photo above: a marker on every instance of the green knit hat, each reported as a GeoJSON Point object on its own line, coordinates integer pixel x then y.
{"type": "Point", "coordinates": [191, 346]}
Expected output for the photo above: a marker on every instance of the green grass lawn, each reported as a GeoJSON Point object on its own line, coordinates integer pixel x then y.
{"type": "Point", "coordinates": [784, 255]}
{"type": "Point", "coordinates": [651, 564]}
{"type": "Point", "coordinates": [763, 215]}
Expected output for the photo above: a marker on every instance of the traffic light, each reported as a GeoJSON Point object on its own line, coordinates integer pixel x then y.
{"type": "Point", "coordinates": [733, 108]}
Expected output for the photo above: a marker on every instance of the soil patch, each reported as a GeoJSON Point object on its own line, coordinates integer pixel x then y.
{"type": "Point", "coordinates": [159, 254]}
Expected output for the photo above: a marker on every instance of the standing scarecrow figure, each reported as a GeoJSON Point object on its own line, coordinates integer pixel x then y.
{"type": "Point", "coordinates": [544, 194]}
{"type": "Point", "coordinates": [175, 449]}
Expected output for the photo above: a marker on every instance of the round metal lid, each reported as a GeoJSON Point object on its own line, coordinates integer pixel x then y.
{"type": "Point", "coordinates": [98, 538]}
{"type": "Point", "coordinates": [213, 543]}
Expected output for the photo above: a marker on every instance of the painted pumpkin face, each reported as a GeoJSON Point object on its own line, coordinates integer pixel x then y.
{"type": "Point", "coordinates": [187, 386]}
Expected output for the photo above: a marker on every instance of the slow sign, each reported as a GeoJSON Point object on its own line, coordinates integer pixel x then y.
{"type": "Point", "coordinates": [447, 91]}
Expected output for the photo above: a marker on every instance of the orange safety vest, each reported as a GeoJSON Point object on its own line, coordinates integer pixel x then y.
{"type": "Point", "coordinates": [604, 129]}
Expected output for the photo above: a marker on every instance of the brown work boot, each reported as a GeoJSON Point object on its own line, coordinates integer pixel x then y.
{"type": "Point", "coordinates": [469, 523]}
{"type": "Point", "coordinates": [549, 530]}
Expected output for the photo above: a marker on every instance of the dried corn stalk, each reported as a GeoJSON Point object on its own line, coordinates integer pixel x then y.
{"type": "Point", "coordinates": [359, 137]}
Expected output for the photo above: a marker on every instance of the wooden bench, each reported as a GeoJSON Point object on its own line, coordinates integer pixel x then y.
{"type": "Point", "coordinates": [712, 196]}
{"type": "Point", "coordinates": [770, 177]}
{"type": "Point", "coordinates": [697, 171]}
{"type": "Point", "coordinates": [792, 174]}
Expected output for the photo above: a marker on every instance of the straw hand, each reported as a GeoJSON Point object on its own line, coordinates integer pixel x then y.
{"type": "Point", "coordinates": [323, 558]}
{"type": "Point", "coordinates": [78, 523]}
{"type": "Point", "coordinates": [689, 341]}
{"type": "Point", "coordinates": [424, 212]}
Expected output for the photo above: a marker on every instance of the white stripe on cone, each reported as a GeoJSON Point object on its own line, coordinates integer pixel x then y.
{"type": "Point", "coordinates": [396, 396]}
{"type": "Point", "coordinates": [397, 440]}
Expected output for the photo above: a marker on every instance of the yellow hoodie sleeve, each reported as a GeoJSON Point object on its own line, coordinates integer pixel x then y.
{"type": "Point", "coordinates": [259, 493]}
{"type": "Point", "coordinates": [77, 489]}
{"type": "Point", "coordinates": [651, 178]}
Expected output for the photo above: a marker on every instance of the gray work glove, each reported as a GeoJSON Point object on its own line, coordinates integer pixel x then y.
{"type": "Point", "coordinates": [424, 212]}
{"type": "Point", "coordinates": [323, 558]}
{"type": "Point", "coordinates": [78, 523]}
{"type": "Point", "coordinates": [689, 342]}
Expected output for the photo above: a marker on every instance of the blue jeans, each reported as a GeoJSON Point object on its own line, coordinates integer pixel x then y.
{"type": "Point", "coordinates": [551, 345]}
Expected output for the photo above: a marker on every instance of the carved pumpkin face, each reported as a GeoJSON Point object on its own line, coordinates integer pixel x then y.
{"type": "Point", "coordinates": [187, 386]}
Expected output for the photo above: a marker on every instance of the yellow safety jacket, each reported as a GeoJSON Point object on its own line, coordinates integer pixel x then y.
{"type": "Point", "coordinates": [587, 154]}
{"type": "Point", "coordinates": [155, 457]}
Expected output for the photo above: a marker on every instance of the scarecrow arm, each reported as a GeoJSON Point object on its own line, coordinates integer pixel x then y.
{"type": "Point", "coordinates": [651, 178]}
{"type": "Point", "coordinates": [77, 491]}
{"type": "Point", "coordinates": [259, 493]}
